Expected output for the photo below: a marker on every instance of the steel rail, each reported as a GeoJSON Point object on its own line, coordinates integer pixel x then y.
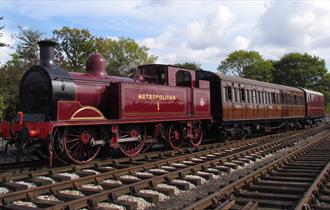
{"type": "Point", "coordinates": [225, 192]}
{"type": "Point", "coordinates": [93, 199]}
{"type": "Point", "coordinates": [118, 172]}
{"type": "Point", "coordinates": [22, 173]}
{"type": "Point", "coordinates": [318, 182]}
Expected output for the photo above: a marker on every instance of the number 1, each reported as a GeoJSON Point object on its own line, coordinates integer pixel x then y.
{"type": "Point", "coordinates": [158, 106]}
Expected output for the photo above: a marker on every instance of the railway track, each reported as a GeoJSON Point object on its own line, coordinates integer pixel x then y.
{"type": "Point", "coordinates": [30, 169]}
{"type": "Point", "coordinates": [286, 183]}
{"type": "Point", "coordinates": [164, 175]}
{"type": "Point", "coordinates": [41, 166]}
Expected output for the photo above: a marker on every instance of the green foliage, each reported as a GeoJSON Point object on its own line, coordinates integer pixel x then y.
{"type": "Point", "coordinates": [300, 70]}
{"type": "Point", "coordinates": [10, 75]}
{"type": "Point", "coordinates": [303, 70]}
{"type": "Point", "coordinates": [27, 50]}
{"type": "Point", "coordinates": [248, 64]}
{"type": "Point", "coordinates": [122, 52]}
{"type": "Point", "coordinates": [189, 65]}
{"type": "Point", "coordinates": [77, 44]}
{"type": "Point", "coordinates": [74, 47]}
{"type": "Point", "coordinates": [2, 107]}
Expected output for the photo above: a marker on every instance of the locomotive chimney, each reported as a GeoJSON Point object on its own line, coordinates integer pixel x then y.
{"type": "Point", "coordinates": [47, 52]}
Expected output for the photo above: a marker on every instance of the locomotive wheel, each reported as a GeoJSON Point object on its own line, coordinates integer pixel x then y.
{"type": "Point", "coordinates": [132, 148]}
{"type": "Point", "coordinates": [77, 144]}
{"type": "Point", "coordinates": [175, 137]}
{"type": "Point", "coordinates": [197, 132]}
{"type": "Point", "coordinates": [57, 145]}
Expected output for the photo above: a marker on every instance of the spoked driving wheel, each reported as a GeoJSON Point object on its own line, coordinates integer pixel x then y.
{"type": "Point", "coordinates": [131, 139]}
{"type": "Point", "coordinates": [197, 134]}
{"type": "Point", "coordinates": [78, 141]}
{"type": "Point", "coordinates": [175, 137]}
{"type": "Point", "coordinates": [57, 145]}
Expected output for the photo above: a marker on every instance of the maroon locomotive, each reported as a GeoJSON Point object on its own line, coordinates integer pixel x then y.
{"type": "Point", "coordinates": [74, 115]}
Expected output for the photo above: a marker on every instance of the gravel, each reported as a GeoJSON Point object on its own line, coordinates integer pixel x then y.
{"type": "Point", "coordinates": [129, 177]}
{"type": "Point", "coordinates": [25, 203]}
{"type": "Point", "coordinates": [47, 178]}
{"type": "Point", "coordinates": [72, 192]}
{"type": "Point", "coordinates": [110, 206]}
{"type": "Point", "coordinates": [111, 181]}
{"type": "Point", "coordinates": [158, 170]}
{"type": "Point", "coordinates": [71, 175]}
{"type": "Point", "coordinates": [210, 155]}
{"type": "Point", "coordinates": [162, 197]}
{"type": "Point", "coordinates": [178, 165]}
{"type": "Point", "coordinates": [187, 162]}
{"type": "Point", "coordinates": [4, 190]}
{"type": "Point", "coordinates": [179, 181]}
{"type": "Point", "coordinates": [108, 167]}
{"type": "Point", "coordinates": [91, 171]}
{"type": "Point", "coordinates": [213, 170]}
{"type": "Point", "coordinates": [28, 184]}
{"type": "Point", "coordinates": [144, 173]}
{"type": "Point", "coordinates": [168, 167]}
{"type": "Point", "coordinates": [48, 198]}
{"type": "Point", "coordinates": [196, 159]}
{"type": "Point", "coordinates": [167, 186]}
{"type": "Point", "coordinates": [203, 181]}
{"type": "Point", "coordinates": [141, 203]}
{"type": "Point", "coordinates": [92, 186]}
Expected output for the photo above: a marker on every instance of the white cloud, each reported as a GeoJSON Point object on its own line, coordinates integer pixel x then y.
{"type": "Point", "coordinates": [199, 31]}
{"type": "Point", "coordinates": [294, 26]}
{"type": "Point", "coordinates": [210, 31]}
{"type": "Point", "coordinates": [5, 51]}
{"type": "Point", "coordinates": [241, 42]}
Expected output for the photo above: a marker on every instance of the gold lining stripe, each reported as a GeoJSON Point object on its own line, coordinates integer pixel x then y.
{"type": "Point", "coordinates": [101, 117]}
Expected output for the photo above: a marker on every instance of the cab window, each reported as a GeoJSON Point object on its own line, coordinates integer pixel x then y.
{"type": "Point", "coordinates": [183, 78]}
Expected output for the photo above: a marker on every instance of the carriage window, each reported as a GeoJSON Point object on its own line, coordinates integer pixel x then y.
{"type": "Point", "coordinates": [183, 78]}
{"type": "Point", "coordinates": [229, 96]}
{"type": "Point", "coordinates": [247, 96]}
{"type": "Point", "coordinates": [242, 94]}
{"type": "Point", "coordinates": [273, 98]}
{"type": "Point", "coordinates": [236, 95]}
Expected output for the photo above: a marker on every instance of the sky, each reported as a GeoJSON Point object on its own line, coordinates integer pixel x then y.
{"type": "Point", "coordinates": [178, 31]}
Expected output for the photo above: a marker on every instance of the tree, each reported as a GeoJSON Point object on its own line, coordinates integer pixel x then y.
{"type": "Point", "coordinates": [303, 70]}
{"type": "Point", "coordinates": [74, 47]}
{"type": "Point", "coordinates": [123, 52]}
{"type": "Point", "coordinates": [261, 71]}
{"type": "Point", "coordinates": [27, 50]}
{"type": "Point", "coordinates": [77, 44]}
{"type": "Point", "coordinates": [2, 107]}
{"type": "Point", "coordinates": [10, 75]}
{"type": "Point", "coordinates": [249, 64]}
{"type": "Point", "coordinates": [300, 70]}
{"type": "Point", "coordinates": [189, 65]}
{"type": "Point", "coordinates": [2, 27]}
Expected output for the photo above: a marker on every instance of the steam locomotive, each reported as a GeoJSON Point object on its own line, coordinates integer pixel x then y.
{"type": "Point", "coordinates": [75, 115]}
